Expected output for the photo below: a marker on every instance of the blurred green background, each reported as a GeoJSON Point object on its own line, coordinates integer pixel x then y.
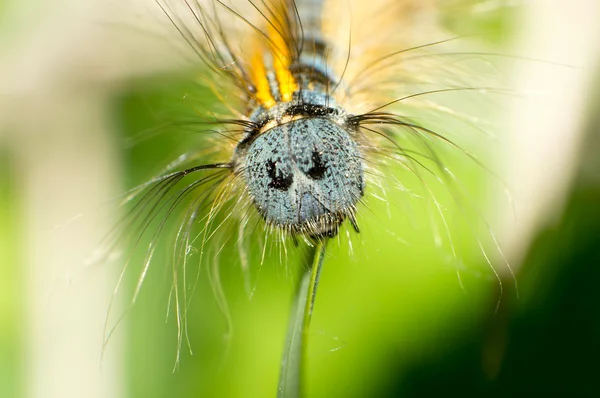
{"type": "Point", "coordinates": [392, 319]}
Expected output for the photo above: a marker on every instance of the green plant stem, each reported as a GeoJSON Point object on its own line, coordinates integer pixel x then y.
{"type": "Point", "coordinates": [295, 351]}
{"type": "Point", "coordinates": [315, 273]}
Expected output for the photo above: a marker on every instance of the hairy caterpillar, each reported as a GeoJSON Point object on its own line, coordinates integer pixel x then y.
{"type": "Point", "coordinates": [316, 117]}
{"type": "Point", "coordinates": [389, 298]}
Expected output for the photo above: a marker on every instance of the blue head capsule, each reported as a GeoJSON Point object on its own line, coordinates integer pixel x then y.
{"type": "Point", "coordinates": [305, 176]}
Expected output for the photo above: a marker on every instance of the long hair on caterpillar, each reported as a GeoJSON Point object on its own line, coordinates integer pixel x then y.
{"type": "Point", "coordinates": [305, 131]}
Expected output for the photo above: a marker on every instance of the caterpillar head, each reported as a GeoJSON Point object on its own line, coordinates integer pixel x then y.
{"type": "Point", "coordinates": [305, 176]}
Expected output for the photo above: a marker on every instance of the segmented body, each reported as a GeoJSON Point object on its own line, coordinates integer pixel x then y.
{"type": "Point", "coordinates": [303, 158]}
{"type": "Point", "coordinates": [299, 159]}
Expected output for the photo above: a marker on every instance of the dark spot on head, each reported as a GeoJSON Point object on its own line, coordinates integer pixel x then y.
{"type": "Point", "coordinates": [317, 171]}
{"type": "Point", "coordinates": [279, 180]}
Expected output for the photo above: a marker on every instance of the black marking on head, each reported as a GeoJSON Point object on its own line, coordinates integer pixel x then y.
{"type": "Point", "coordinates": [317, 171]}
{"type": "Point", "coordinates": [279, 180]}
{"type": "Point", "coordinates": [310, 110]}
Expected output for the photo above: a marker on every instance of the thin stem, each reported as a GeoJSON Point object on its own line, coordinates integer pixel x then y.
{"type": "Point", "coordinates": [315, 273]}
{"type": "Point", "coordinates": [295, 352]}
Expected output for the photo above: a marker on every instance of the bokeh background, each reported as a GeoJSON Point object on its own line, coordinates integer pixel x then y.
{"type": "Point", "coordinates": [396, 314]}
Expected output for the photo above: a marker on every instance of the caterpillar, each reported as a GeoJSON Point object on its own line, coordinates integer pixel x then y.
{"type": "Point", "coordinates": [317, 113]}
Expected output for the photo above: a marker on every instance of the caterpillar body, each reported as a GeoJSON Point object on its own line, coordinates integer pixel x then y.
{"type": "Point", "coordinates": [314, 110]}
